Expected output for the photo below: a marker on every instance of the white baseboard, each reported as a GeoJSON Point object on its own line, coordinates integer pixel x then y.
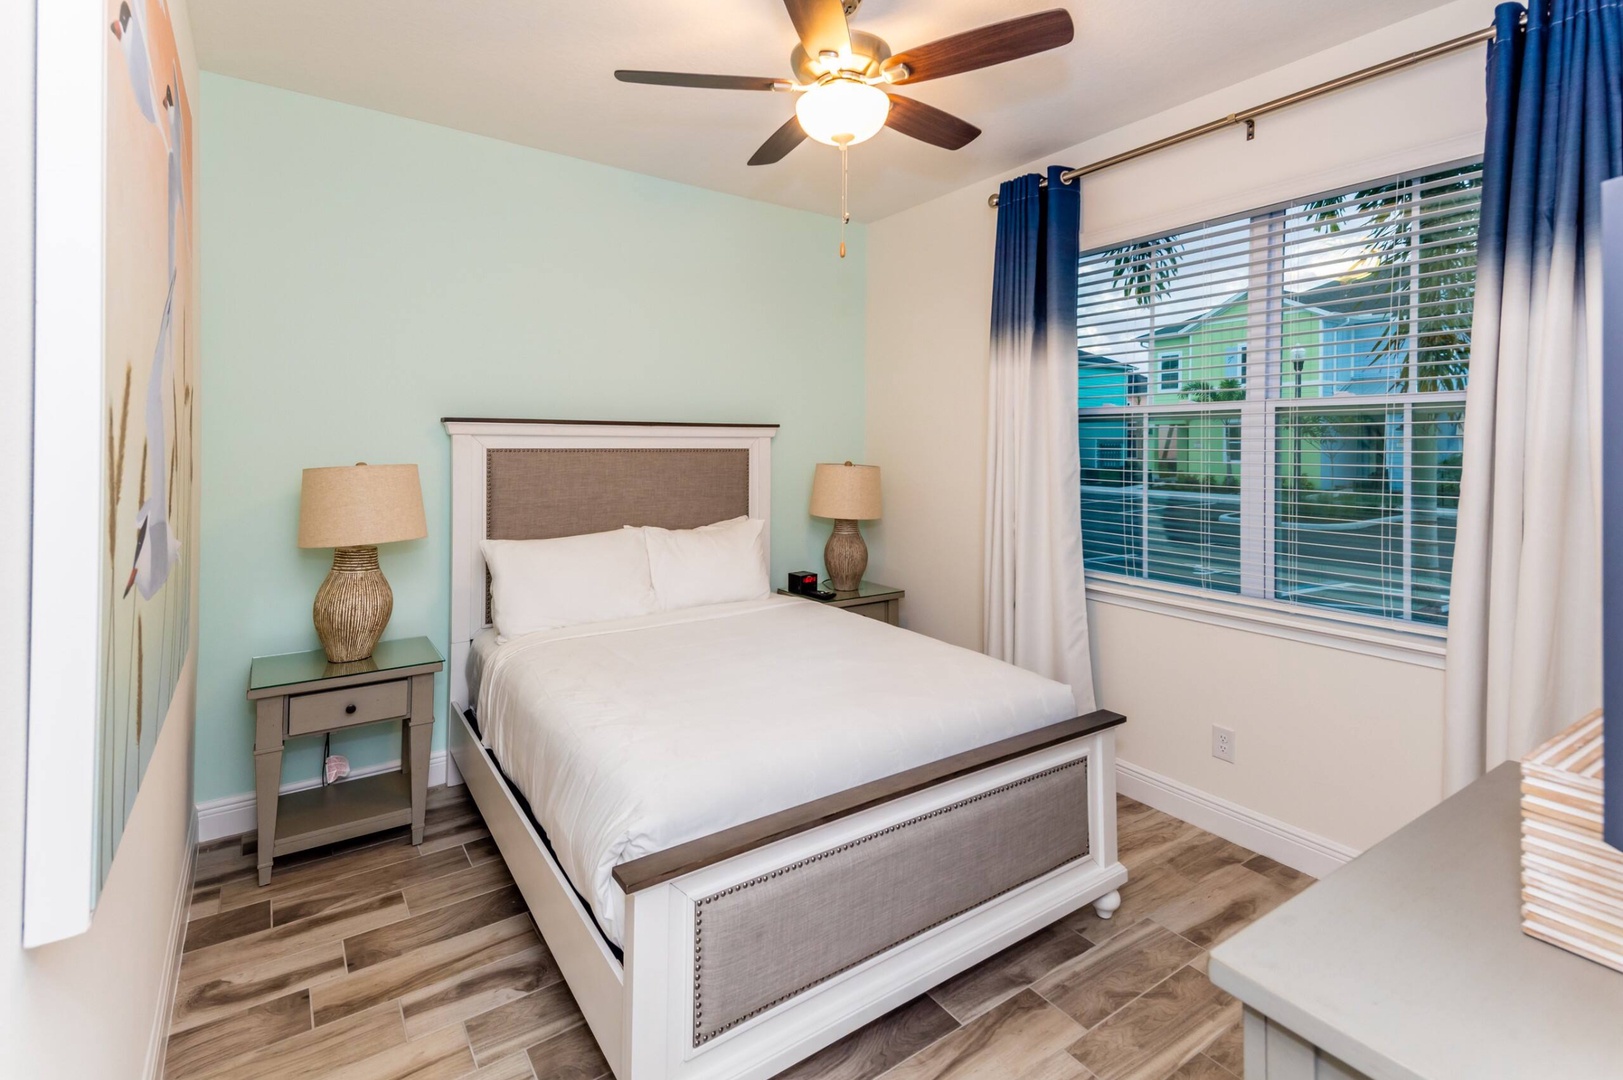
{"type": "Point", "coordinates": [1296, 848]}
{"type": "Point", "coordinates": [158, 1045]}
{"type": "Point", "coordinates": [235, 814]}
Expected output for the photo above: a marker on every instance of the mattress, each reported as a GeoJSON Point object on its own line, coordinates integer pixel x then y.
{"type": "Point", "coordinates": [632, 736]}
{"type": "Point", "coordinates": [485, 644]}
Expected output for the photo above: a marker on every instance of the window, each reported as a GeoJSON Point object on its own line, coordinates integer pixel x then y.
{"type": "Point", "coordinates": [1169, 370]}
{"type": "Point", "coordinates": [1326, 474]}
{"type": "Point", "coordinates": [1234, 364]}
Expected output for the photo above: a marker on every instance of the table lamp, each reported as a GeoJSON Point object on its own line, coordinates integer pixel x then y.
{"type": "Point", "coordinates": [352, 509]}
{"type": "Point", "coordinates": [847, 493]}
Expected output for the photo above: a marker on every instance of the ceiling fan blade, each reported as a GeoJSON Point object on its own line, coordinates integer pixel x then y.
{"type": "Point", "coordinates": [783, 140]}
{"type": "Point", "coordinates": [929, 124]}
{"type": "Point", "coordinates": [986, 46]}
{"type": "Point", "coordinates": [702, 82]}
{"type": "Point", "coordinates": [821, 26]}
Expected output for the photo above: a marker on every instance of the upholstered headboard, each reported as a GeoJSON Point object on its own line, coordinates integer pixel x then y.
{"type": "Point", "coordinates": [535, 493]}
{"type": "Point", "coordinates": [539, 479]}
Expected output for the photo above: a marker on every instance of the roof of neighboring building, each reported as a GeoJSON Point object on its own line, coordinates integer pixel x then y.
{"type": "Point", "coordinates": [1188, 326]}
{"type": "Point", "coordinates": [1366, 294]}
{"type": "Point", "coordinates": [1094, 360]}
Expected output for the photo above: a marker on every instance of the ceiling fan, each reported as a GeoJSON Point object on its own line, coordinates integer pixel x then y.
{"type": "Point", "coordinates": [841, 78]}
{"type": "Point", "coordinates": [839, 74]}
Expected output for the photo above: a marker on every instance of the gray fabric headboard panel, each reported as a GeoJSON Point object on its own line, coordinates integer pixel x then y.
{"type": "Point", "coordinates": [542, 493]}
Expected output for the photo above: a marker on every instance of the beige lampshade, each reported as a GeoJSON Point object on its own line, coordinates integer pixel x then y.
{"type": "Point", "coordinates": [359, 505]}
{"type": "Point", "coordinates": [845, 491]}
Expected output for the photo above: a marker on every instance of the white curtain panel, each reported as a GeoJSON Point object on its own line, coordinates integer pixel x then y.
{"type": "Point", "coordinates": [1036, 602]}
{"type": "Point", "coordinates": [1524, 649]}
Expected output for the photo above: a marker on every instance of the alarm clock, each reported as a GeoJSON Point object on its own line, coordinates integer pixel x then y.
{"type": "Point", "coordinates": [804, 583]}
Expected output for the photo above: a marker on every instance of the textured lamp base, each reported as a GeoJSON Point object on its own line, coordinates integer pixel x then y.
{"type": "Point", "coordinates": [353, 605]}
{"type": "Point", "coordinates": [846, 556]}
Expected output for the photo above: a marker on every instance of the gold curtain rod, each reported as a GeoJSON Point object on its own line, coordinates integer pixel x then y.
{"type": "Point", "coordinates": [1248, 117]}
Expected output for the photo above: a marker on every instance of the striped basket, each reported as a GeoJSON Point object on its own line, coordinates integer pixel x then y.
{"type": "Point", "coordinates": [1572, 880]}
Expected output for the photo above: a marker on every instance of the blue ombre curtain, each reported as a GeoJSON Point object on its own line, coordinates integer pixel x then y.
{"type": "Point", "coordinates": [1524, 654]}
{"type": "Point", "coordinates": [1036, 604]}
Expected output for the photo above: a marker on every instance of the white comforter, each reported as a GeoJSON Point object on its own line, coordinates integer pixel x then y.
{"type": "Point", "coordinates": [632, 736]}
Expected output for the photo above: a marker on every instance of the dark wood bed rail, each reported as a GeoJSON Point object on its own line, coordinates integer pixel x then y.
{"type": "Point", "coordinates": [663, 866]}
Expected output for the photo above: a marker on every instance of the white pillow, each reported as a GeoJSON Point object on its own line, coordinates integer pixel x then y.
{"type": "Point", "coordinates": [548, 584]}
{"type": "Point", "coordinates": [715, 564]}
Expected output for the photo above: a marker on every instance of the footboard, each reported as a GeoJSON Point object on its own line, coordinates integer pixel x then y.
{"type": "Point", "coordinates": [763, 941]}
{"type": "Point", "coordinates": [751, 949]}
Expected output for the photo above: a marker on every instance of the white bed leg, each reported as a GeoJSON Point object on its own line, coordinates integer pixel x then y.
{"type": "Point", "coordinates": [1107, 904]}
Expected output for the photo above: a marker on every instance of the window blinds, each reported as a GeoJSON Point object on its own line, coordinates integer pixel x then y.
{"type": "Point", "coordinates": [1271, 406]}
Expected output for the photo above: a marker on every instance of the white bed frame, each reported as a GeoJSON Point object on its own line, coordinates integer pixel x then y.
{"type": "Point", "coordinates": [641, 1011]}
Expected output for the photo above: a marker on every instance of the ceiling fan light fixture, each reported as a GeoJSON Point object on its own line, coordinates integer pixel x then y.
{"type": "Point", "coordinates": [842, 110]}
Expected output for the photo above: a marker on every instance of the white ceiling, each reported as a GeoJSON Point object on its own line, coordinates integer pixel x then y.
{"type": "Point", "coordinates": [540, 73]}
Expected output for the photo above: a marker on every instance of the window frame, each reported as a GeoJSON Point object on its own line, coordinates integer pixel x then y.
{"type": "Point", "coordinates": [1257, 609]}
{"type": "Point", "coordinates": [1236, 359]}
{"type": "Point", "coordinates": [1161, 370]}
{"type": "Point", "coordinates": [1233, 444]}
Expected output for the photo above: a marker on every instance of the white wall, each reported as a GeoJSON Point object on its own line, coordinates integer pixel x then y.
{"type": "Point", "coordinates": [88, 1006]}
{"type": "Point", "coordinates": [1318, 729]}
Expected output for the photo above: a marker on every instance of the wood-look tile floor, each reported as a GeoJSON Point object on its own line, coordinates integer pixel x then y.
{"type": "Point", "coordinates": [377, 960]}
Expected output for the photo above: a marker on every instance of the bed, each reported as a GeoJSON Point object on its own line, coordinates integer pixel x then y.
{"type": "Point", "coordinates": [746, 829]}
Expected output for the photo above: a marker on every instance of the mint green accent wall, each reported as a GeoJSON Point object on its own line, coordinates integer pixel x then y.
{"type": "Point", "coordinates": [364, 275]}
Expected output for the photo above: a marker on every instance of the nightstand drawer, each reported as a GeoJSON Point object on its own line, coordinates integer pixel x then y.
{"type": "Point", "coordinates": [330, 709]}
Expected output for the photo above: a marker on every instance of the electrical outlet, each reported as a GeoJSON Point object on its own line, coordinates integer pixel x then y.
{"type": "Point", "coordinates": [1223, 744]}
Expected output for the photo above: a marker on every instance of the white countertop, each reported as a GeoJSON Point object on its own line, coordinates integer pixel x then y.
{"type": "Point", "coordinates": [1409, 962]}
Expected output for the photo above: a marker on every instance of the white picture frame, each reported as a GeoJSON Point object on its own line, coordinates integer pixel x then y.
{"type": "Point", "coordinates": [113, 522]}
{"type": "Point", "coordinates": [59, 846]}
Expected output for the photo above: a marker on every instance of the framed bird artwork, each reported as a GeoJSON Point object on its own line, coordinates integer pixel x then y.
{"type": "Point", "coordinates": [116, 437]}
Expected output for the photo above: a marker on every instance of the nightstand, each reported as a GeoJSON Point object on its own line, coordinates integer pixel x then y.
{"type": "Point", "coordinates": [870, 598]}
{"type": "Point", "coordinates": [302, 694]}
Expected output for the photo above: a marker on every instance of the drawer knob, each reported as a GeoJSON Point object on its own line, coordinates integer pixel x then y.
{"type": "Point", "coordinates": [349, 710]}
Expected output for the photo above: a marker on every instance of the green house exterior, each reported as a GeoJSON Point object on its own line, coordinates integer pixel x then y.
{"type": "Point", "coordinates": [1211, 353]}
{"type": "Point", "coordinates": [1324, 352]}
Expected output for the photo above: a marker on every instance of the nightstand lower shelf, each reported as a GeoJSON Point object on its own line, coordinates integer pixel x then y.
{"type": "Point", "coordinates": [326, 815]}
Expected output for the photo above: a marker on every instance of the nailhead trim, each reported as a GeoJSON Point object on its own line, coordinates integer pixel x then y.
{"type": "Point", "coordinates": [698, 906]}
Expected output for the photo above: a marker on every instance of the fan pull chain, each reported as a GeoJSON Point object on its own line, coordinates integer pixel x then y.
{"type": "Point", "coordinates": [845, 213]}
